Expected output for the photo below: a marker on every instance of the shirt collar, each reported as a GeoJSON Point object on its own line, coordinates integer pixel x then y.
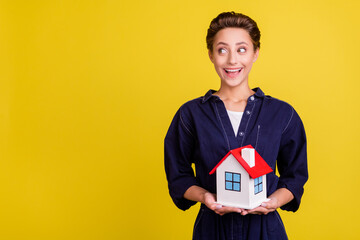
{"type": "Point", "coordinates": [258, 92]}
{"type": "Point", "coordinates": [209, 94]}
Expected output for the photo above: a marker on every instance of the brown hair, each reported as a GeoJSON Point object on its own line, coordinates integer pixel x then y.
{"type": "Point", "coordinates": [236, 20]}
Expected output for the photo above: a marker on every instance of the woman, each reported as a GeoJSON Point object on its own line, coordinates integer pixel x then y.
{"type": "Point", "coordinates": [205, 129]}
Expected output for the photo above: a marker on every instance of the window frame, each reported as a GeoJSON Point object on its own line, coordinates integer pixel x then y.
{"type": "Point", "coordinates": [234, 182]}
{"type": "Point", "coordinates": [258, 182]}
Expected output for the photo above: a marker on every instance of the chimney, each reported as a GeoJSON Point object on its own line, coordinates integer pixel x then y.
{"type": "Point", "coordinates": [248, 154]}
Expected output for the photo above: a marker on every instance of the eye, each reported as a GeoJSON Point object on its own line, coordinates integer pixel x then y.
{"type": "Point", "coordinates": [242, 50]}
{"type": "Point", "coordinates": [222, 50]}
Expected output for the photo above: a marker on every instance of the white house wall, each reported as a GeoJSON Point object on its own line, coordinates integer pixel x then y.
{"type": "Point", "coordinates": [232, 198]}
{"type": "Point", "coordinates": [244, 199]}
{"type": "Point", "coordinates": [257, 199]}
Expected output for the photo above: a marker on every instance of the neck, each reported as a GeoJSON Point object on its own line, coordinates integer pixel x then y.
{"type": "Point", "coordinates": [238, 93]}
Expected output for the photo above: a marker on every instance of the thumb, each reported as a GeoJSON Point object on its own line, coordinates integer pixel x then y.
{"type": "Point", "coordinates": [268, 203]}
{"type": "Point", "coordinates": [271, 203]}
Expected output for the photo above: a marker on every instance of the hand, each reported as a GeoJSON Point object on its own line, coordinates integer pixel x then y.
{"type": "Point", "coordinates": [209, 201]}
{"type": "Point", "coordinates": [264, 208]}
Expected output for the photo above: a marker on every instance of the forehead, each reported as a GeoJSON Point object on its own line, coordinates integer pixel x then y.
{"type": "Point", "coordinates": [232, 36]}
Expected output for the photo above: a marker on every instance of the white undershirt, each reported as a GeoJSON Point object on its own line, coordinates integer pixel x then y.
{"type": "Point", "coordinates": [235, 119]}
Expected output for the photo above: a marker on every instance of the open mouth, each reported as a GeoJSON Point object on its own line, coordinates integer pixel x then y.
{"type": "Point", "coordinates": [232, 72]}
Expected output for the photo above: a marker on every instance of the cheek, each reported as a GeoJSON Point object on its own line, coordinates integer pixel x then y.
{"type": "Point", "coordinates": [248, 61]}
{"type": "Point", "coordinates": [219, 62]}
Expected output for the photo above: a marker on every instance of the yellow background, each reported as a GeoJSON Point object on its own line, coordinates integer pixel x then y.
{"type": "Point", "coordinates": [88, 90]}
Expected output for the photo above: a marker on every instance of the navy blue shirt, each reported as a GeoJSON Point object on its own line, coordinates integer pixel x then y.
{"type": "Point", "coordinates": [201, 133]}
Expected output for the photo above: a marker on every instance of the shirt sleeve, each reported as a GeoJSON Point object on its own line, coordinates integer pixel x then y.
{"type": "Point", "coordinates": [292, 161]}
{"type": "Point", "coordinates": [179, 143]}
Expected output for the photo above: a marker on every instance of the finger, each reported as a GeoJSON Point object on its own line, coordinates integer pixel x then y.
{"type": "Point", "coordinates": [256, 209]}
{"type": "Point", "coordinates": [232, 209]}
{"type": "Point", "coordinates": [215, 206]}
{"type": "Point", "coordinates": [244, 212]}
{"type": "Point", "coordinates": [259, 210]}
{"type": "Point", "coordinates": [264, 204]}
{"type": "Point", "coordinates": [225, 210]}
{"type": "Point", "coordinates": [270, 204]}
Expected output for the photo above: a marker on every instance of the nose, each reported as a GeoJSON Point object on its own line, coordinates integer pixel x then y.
{"type": "Point", "coordinates": [232, 59]}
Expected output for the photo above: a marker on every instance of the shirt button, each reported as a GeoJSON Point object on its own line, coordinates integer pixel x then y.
{"type": "Point", "coordinates": [252, 98]}
{"type": "Point", "coordinates": [241, 134]}
{"type": "Point", "coordinates": [248, 112]}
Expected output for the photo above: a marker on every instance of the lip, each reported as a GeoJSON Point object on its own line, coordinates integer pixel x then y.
{"type": "Point", "coordinates": [233, 69]}
{"type": "Point", "coordinates": [232, 72]}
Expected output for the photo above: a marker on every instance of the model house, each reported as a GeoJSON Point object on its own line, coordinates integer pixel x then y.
{"type": "Point", "coordinates": [241, 178]}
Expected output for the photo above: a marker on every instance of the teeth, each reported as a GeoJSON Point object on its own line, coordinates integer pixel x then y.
{"type": "Point", "coordinates": [232, 70]}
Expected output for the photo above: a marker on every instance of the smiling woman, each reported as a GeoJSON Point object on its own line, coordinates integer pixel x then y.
{"type": "Point", "coordinates": [205, 129]}
{"type": "Point", "coordinates": [233, 56]}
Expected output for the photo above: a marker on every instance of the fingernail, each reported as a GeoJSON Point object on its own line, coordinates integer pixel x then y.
{"type": "Point", "coordinates": [218, 206]}
{"type": "Point", "coordinates": [263, 204]}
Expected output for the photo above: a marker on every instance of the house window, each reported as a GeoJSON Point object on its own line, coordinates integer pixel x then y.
{"type": "Point", "coordinates": [258, 184]}
{"type": "Point", "coordinates": [232, 181]}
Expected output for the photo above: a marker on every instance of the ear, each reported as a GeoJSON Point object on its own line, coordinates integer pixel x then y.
{"type": "Point", "coordinates": [211, 56]}
{"type": "Point", "coordinates": [256, 55]}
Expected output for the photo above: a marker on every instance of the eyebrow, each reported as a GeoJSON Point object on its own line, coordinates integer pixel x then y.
{"type": "Point", "coordinates": [238, 43]}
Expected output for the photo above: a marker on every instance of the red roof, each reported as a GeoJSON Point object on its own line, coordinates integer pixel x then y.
{"type": "Point", "coordinates": [260, 168]}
